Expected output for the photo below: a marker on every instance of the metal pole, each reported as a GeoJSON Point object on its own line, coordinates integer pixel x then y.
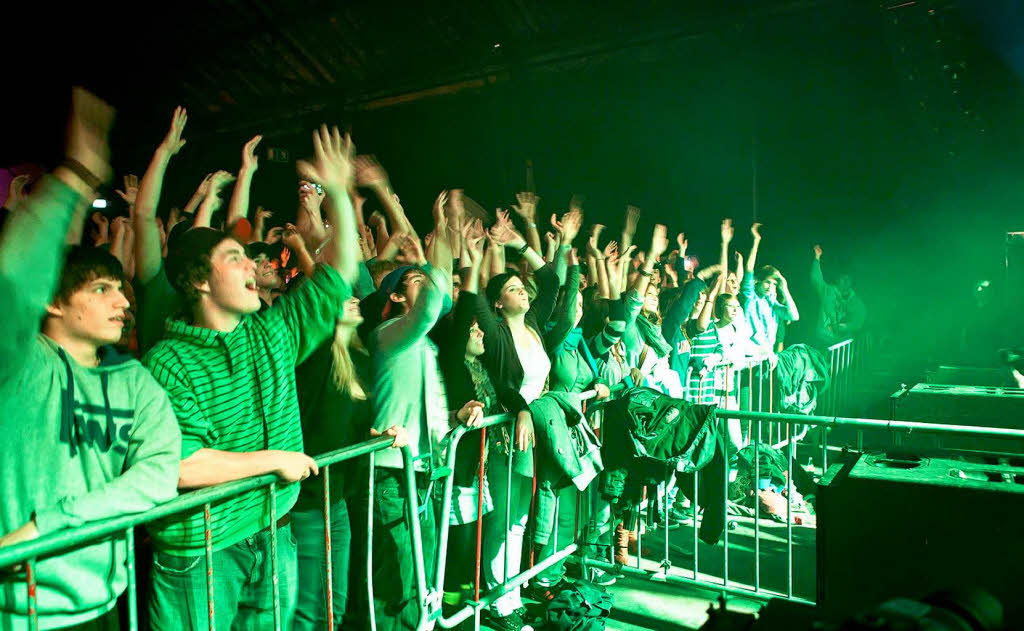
{"type": "Point", "coordinates": [209, 565]}
{"type": "Point", "coordinates": [329, 578]}
{"type": "Point", "coordinates": [273, 556]}
{"type": "Point", "coordinates": [725, 507]}
{"type": "Point", "coordinates": [508, 502]}
{"type": "Point", "coordinates": [415, 532]}
{"type": "Point", "coordinates": [369, 542]}
{"type": "Point", "coordinates": [789, 515]}
{"type": "Point", "coordinates": [479, 516]}
{"type": "Point", "coordinates": [133, 601]}
{"type": "Point", "coordinates": [757, 507]}
{"type": "Point", "coordinates": [694, 507]}
{"type": "Point", "coordinates": [30, 580]}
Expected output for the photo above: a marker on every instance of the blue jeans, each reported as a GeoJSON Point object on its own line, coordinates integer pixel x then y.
{"type": "Point", "coordinates": [308, 528]}
{"type": "Point", "coordinates": [243, 588]}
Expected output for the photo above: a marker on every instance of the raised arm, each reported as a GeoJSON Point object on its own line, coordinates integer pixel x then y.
{"type": "Point", "coordinates": [505, 234]}
{"type": "Point", "coordinates": [527, 209]}
{"type": "Point", "coordinates": [197, 196]}
{"type": "Point", "coordinates": [303, 259]}
{"type": "Point", "coordinates": [148, 248]}
{"type": "Point", "coordinates": [370, 173]}
{"type": "Point", "coordinates": [659, 243]}
{"type": "Point", "coordinates": [238, 207]}
{"type": "Point", "coordinates": [211, 201]}
{"type": "Point", "coordinates": [817, 279]}
{"type": "Point", "coordinates": [32, 242]}
{"type": "Point", "coordinates": [628, 232]}
{"type": "Point", "coordinates": [755, 231]}
{"type": "Point", "coordinates": [567, 229]}
{"type": "Point", "coordinates": [332, 168]}
{"type": "Point", "coordinates": [598, 273]}
{"type": "Point", "coordinates": [565, 320]}
{"type": "Point", "coordinates": [792, 314]}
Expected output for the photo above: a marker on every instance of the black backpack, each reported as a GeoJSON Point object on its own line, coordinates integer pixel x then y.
{"type": "Point", "coordinates": [582, 606]}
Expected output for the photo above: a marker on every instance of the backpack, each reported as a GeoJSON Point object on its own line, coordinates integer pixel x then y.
{"type": "Point", "coordinates": [582, 606]}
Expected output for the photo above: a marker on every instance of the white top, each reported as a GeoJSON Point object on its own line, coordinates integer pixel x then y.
{"type": "Point", "coordinates": [536, 367]}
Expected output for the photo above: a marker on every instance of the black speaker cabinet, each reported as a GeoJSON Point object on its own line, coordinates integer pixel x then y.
{"type": "Point", "coordinates": [901, 525]}
{"type": "Point", "coordinates": [975, 406]}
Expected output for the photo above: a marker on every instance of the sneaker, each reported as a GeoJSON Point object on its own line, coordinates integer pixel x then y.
{"type": "Point", "coordinates": [602, 578]}
{"type": "Point", "coordinates": [511, 622]}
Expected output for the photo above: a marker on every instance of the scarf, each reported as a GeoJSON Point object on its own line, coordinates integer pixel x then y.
{"type": "Point", "coordinates": [651, 335]}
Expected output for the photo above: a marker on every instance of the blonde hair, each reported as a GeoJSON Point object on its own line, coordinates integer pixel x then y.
{"type": "Point", "coordinates": [343, 370]}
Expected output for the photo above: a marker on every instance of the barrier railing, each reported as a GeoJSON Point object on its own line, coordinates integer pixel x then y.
{"type": "Point", "coordinates": [30, 553]}
{"type": "Point", "coordinates": [480, 601]}
{"type": "Point", "coordinates": [754, 392]}
{"type": "Point", "coordinates": [724, 580]}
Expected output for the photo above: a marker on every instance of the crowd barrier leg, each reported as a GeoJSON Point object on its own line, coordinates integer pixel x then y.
{"type": "Point", "coordinates": [369, 545]}
{"type": "Point", "coordinates": [133, 604]}
{"type": "Point", "coordinates": [757, 506]}
{"type": "Point", "coordinates": [209, 565]}
{"type": "Point", "coordinates": [30, 580]}
{"type": "Point", "coordinates": [272, 489]}
{"type": "Point", "coordinates": [329, 567]}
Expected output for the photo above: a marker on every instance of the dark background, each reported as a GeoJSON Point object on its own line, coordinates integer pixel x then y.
{"type": "Point", "coordinates": [888, 132]}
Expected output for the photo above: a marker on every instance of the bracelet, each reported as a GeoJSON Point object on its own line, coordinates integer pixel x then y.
{"type": "Point", "coordinates": [83, 173]}
{"type": "Point", "coordinates": [523, 249]}
{"type": "Point", "coordinates": [644, 272]}
{"type": "Point", "coordinates": [533, 225]}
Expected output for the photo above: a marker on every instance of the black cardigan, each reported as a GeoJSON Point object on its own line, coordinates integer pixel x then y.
{"type": "Point", "coordinates": [501, 359]}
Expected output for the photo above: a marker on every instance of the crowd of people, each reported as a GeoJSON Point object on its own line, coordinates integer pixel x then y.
{"type": "Point", "coordinates": [172, 349]}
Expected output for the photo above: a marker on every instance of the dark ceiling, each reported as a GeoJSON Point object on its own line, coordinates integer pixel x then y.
{"type": "Point", "coordinates": [250, 63]}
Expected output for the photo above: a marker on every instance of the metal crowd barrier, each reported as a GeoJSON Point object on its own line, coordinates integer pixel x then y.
{"type": "Point", "coordinates": [663, 570]}
{"type": "Point", "coordinates": [29, 553]}
{"type": "Point", "coordinates": [480, 601]}
{"type": "Point", "coordinates": [783, 431]}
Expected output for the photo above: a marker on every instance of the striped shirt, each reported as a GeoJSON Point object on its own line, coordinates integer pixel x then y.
{"type": "Point", "coordinates": [703, 390]}
{"type": "Point", "coordinates": [236, 392]}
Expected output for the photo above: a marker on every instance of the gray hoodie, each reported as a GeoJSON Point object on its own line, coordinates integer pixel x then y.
{"type": "Point", "coordinates": [79, 444]}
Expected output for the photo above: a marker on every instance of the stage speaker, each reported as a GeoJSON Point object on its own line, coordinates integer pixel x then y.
{"type": "Point", "coordinates": [903, 525]}
{"type": "Point", "coordinates": [976, 406]}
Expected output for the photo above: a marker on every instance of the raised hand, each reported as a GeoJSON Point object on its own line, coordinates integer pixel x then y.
{"type": "Point", "coordinates": [411, 249]}
{"type": "Point", "coordinates": [611, 249]}
{"type": "Point", "coordinates": [817, 252]}
{"type": "Point", "coordinates": [527, 206]}
{"type": "Point", "coordinates": [473, 230]}
{"type": "Point", "coordinates": [173, 142]}
{"type": "Point", "coordinates": [249, 160]}
{"type": "Point", "coordinates": [683, 243]}
{"type": "Point", "coordinates": [727, 230]}
{"type": "Point", "coordinates": [366, 242]}
{"type": "Point", "coordinates": [632, 218]}
{"type": "Point", "coordinates": [262, 214]}
{"type": "Point", "coordinates": [88, 129]}
{"type": "Point", "coordinates": [475, 250]}
{"type": "Point", "coordinates": [570, 225]}
{"type": "Point", "coordinates": [131, 189]}
{"type": "Point", "coordinates": [217, 182]}
{"type": "Point", "coordinates": [659, 240]}
{"type": "Point", "coordinates": [369, 172]}
{"type": "Point", "coordinates": [504, 233]}
{"type": "Point", "coordinates": [440, 219]}
{"type": "Point", "coordinates": [574, 257]}
{"type": "Point", "coordinates": [332, 165]}
{"type": "Point", "coordinates": [595, 234]}
{"type": "Point", "coordinates": [755, 230]}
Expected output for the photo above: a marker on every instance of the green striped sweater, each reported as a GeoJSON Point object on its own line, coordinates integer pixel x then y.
{"type": "Point", "coordinates": [236, 392]}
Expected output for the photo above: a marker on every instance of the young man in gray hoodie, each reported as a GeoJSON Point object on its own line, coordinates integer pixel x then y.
{"type": "Point", "coordinates": [90, 434]}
